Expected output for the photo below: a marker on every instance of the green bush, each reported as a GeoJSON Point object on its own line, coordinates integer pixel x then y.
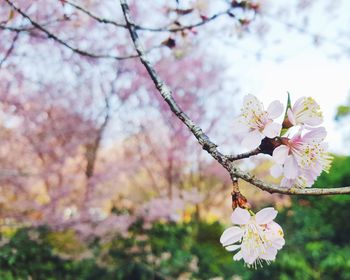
{"type": "Point", "coordinates": [317, 247]}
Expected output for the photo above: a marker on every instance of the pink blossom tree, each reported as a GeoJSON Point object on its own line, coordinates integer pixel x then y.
{"type": "Point", "coordinates": [69, 68]}
{"type": "Point", "coordinates": [63, 118]}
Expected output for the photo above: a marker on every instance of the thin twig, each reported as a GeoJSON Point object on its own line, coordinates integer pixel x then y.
{"type": "Point", "coordinates": [10, 49]}
{"type": "Point", "coordinates": [202, 138]}
{"type": "Point", "coordinates": [17, 28]}
{"type": "Point", "coordinates": [168, 28]}
{"type": "Point", "coordinates": [30, 27]}
{"type": "Point", "coordinates": [171, 28]}
{"type": "Point", "coordinates": [90, 14]}
{"type": "Point", "coordinates": [62, 42]}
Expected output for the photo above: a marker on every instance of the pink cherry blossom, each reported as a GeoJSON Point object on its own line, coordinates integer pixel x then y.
{"type": "Point", "coordinates": [254, 123]}
{"type": "Point", "coordinates": [301, 159]}
{"type": "Point", "coordinates": [259, 238]}
{"type": "Point", "coordinates": [305, 111]}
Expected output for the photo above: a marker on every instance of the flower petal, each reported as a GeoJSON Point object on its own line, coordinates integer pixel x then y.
{"type": "Point", "coordinates": [275, 109]}
{"type": "Point", "coordinates": [233, 247]}
{"type": "Point", "coordinates": [291, 168]}
{"type": "Point", "coordinates": [276, 170]}
{"type": "Point", "coordinates": [280, 154]}
{"type": "Point", "coordinates": [278, 243]}
{"type": "Point", "coordinates": [239, 126]}
{"type": "Point", "coordinates": [287, 183]}
{"type": "Point", "coordinates": [240, 216]}
{"type": "Point", "coordinates": [266, 215]}
{"type": "Point", "coordinates": [269, 254]}
{"type": "Point", "coordinates": [291, 117]}
{"type": "Point", "coordinates": [314, 121]}
{"type": "Point", "coordinates": [272, 129]}
{"type": "Point", "coordinates": [249, 254]}
{"type": "Point", "coordinates": [252, 140]}
{"type": "Point", "coordinates": [275, 235]}
{"type": "Point", "coordinates": [317, 134]}
{"type": "Point", "coordinates": [251, 103]}
{"type": "Point", "coordinates": [238, 256]}
{"type": "Point", "coordinates": [231, 235]}
{"type": "Point", "coordinates": [298, 105]}
{"type": "Point", "coordinates": [275, 229]}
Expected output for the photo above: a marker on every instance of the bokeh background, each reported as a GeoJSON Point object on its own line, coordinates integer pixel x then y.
{"type": "Point", "coordinates": [98, 180]}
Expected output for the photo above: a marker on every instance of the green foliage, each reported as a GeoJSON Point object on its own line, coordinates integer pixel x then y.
{"type": "Point", "coordinates": [317, 247]}
{"type": "Point", "coordinates": [317, 233]}
{"type": "Point", "coordinates": [342, 111]}
{"type": "Point", "coordinates": [190, 250]}
{"type": "Point", "coordinates": [29, 254]}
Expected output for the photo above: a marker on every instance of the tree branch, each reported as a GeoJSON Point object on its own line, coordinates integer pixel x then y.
{"type": "Point", "coordinates": [10, 49]}
{"type": "Point", "coordinates": [93, 147]}
{"type": "Point", "coordinates": [27, 27]}
{"type": "Point", "coordinates": [168, 28]}
{"type": "Point", "coordinates": [166, 92]}
{"type": "Point", "coordinates": [202, 138]}
{"type": "Point", "coordinates": [187, 27]}
{"type": "Point", "coordinates": [17, 29]}
{"type": "Point", "coordinates": [90, 14]}
{"type": "Point", "coordinates": [50, 35]}
{"type": "Point", "coordinates": [244, 155]}
{"type": "Point", "coordinates": [292, 191]}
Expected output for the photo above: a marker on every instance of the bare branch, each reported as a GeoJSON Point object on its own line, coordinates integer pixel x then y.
{"type": "Point", "coordinates": [171, 28]}
{"type": "Point", "coordinates": [166, 92]}
{"type": "Point", "coordinates": [168, 28]}
{"type": "Point", "coordinates": [90, 14]}
{"type": "Point", "coordinates": [27, 27]}
{"type": "Point", "coordinates": [10, 49]}
{"type": "Point", "coordinates": [17, 29]}
{"type": "Point", "coordinates": [292, 191]}
{"type": "Point", "coordinates": [50, 35]}
{"type": "Point", "coordinates": [202, 138]}
{"type": "Point", "coordinates": [244, 155]}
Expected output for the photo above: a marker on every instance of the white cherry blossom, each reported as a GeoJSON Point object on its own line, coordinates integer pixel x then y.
{"type": "Point", "coordinates": [254, 123]}
{"type": "Point", "coordinates": [305, 111]}
{"type": "Point", "coordinates": [256, 237]}
{"type": "Point", "coordinates": [301, 159]}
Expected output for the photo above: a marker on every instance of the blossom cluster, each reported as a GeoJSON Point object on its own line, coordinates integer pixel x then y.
{"type": "Point", "coordinates": [256, 237]}
{"type": "Point", "coordinates": [301, 154]}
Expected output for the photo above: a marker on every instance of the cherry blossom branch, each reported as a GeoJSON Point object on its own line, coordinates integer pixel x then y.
{"type": "Point", "coordinates": [27, 27]}
{"type": "Point", "coordinates": [169, 28]}
{"type": "Point", "coordinates": [245, 155]}
{"type": "Point", "coordinates": [50, 35]}
{"type": "Point", "coordinates": [16, 29]}
{"type": "Point", "coordinates": [202, 138]}
{"type": "Point", "coordinates": [190, 26]}
{"type": "Point", "coordinates": [96, 18]}
{"type": "Point", "coordinates": [292, 191]}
